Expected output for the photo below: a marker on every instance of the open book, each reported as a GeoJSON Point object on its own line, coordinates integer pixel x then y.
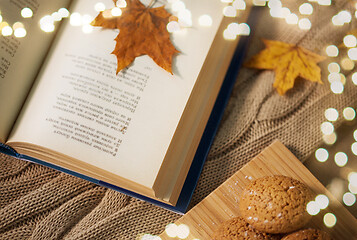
{"type": "Point", "coordinates": [62, 103]}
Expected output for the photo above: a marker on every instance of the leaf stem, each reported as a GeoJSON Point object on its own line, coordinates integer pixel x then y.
{"type": "Point", "coordinates": [152, 2]}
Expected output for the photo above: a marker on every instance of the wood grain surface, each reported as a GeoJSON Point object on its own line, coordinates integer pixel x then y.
{"type": "Point", "coordinates": [222, 204]}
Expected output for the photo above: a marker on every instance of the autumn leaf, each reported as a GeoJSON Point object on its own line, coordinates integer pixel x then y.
{"type": "Point", "coordinates": [142, 32]}
{"type": "Point", "coordinates": [288, 61]}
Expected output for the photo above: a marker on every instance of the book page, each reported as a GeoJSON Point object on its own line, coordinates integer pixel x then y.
{"type": "Point", "coordinates": [21, 57]}
{"type": "Point", "coordinates": [121, 123]}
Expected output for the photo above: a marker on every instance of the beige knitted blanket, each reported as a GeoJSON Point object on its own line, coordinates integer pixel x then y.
{"type": "Point", "coordinates": [40, 203]}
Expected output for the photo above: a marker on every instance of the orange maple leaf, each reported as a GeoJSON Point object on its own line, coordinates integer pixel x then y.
{"type": "Point", "coordinates": [289, 61]}
{"type": "Point", "coordinates": [142, 32]}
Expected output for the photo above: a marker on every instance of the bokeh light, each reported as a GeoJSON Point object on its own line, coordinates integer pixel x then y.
{"type": "Point", "coordinates": [350, 41]}
{"type": "Point", "coordinates": [337, 21]}
{"type": "Point", "coordinates": [76, 19]}
{"type": "Point", "coordinates": [330, 139]}
{"type": "Point", "coordinates": [229, 35]}
{"type": "Point", "coordinates": [20, 32]}
{"type": "Point", "coordinates": [337, 87]}
{"type": "Point", "coordinates": [116, 12]}
{"type": "Point", "coordinates": [332, 51]}
{"type": "Point", "coordinates": [331, 114]}
{"type": "Point", "coordinates": [354, 148]}
{"type": "Point", "coordinates": [349, 199]}
{"type": "Point", "coordinates": [233, 28]}
{"type": "Point", "coordinates": [321, 155]}
{"type": "Point", "coordinates": [56, 16]}
{"type": "Point", "coordinates": [173, 26]}
{"type": "Point", "coordinates": [354, 78]}
{"type": "Point", "coordinates": [185, 18]}
{"type": "Point", "coordinates": [205, 20]}
{"type": "Point", "coordinates": [171, 230]}
{"type": "Point", "coordinates": [87, 28]}
{"type": "Point", "coordinates": [306, 9]}
{"type": "Point", "coordinates": [121, 4]}
{"type": "Point", "coordinates": [322, 201]}
{"type": "Point", "coordinates": [149, 237]}
{"type": "Point", "coordinates": [244, 29]}
{"type": "Point", "coordinates": [333, 67]}
{"type": "Point", "coordinates": [260, 3]}
{"type": "Point", "coordinates": [352, 188]}
{"type": "Point", "coordinates": [304, 24]}
{"type": "Point", "coordinates": [107, 13]}
{"type": "Point", "coordinates": [274, 4]}
{"type": "Point", "coordinates": [327, 128]}
{"type": "Point", "coordinates": [86, 19]}
{"type": "Point", "coordinates": [342, 78]}
{"type": "Point", "coordinates": [292, 18]}
{"type": "Point", "coordinates": [26, 12]}
{"type": "Point", "coordinates": [349, 113]}
{"type": "Point", "coordinates": [276, 12]}
{"type": "Point", "coordinates": [285, 12]}
{"type": "Point", "coordinates": [17, 25]}
{"type": "Point", "coordinates": [229, 11]}
{"type": "Point", "coordinates": [3, 24]}
{"type": "Point", "coordinates": [330, 220]}
{"type": "Point", "coordinates": [341, 159]}
{"type": "Point", "coordinates": [64, 13]}
{"type": "Point", "coordinates": [324, 2]}
{"type": "Point", "coordinates": [178, 6]}
{"type": "Point", "coordinates": [312, 208]}
{"type": "Point", "coordinates": [6, 31]}
{"type": "Point", "coordinates": [347, 64]}
{"type": "Point", "coordinates": [183, 231]}
{"type": "Point", "coordinates": [345, 16]}
{"type": "Point", "coordinates": [99, 7]}
{"type": "Point", "coordinates": [239, 4]}
{"type": "Point", "coordinates": [352, 53]}
{"type": "Point", "coordinates": [352, 178]}
{"type": "Point", "coordinates": [334, 77]}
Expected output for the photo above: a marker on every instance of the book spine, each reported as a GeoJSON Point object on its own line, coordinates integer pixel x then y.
{"type": "Point", "coordinates": [8, 150]}
{"type": "Point", "coordinates": [11, 152]}
{"type": "Point", "coordinates": [217, 114]}
{"type": "Point", "coordinates": [175, 209]}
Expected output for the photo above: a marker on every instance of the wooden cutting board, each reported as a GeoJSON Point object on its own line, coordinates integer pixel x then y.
{"type": "Point", "coordinates": [222, 204]}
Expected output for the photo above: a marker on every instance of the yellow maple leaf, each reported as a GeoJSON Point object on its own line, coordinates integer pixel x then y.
{"type": "Point", "coordinates": [288, 61]}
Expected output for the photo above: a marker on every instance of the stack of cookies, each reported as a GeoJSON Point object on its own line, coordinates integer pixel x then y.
{"type": "Point", "coordinates": [272, 207]}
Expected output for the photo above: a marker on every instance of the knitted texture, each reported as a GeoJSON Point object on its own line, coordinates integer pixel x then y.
{"type": "Point", "coordinates": [40, 203]}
